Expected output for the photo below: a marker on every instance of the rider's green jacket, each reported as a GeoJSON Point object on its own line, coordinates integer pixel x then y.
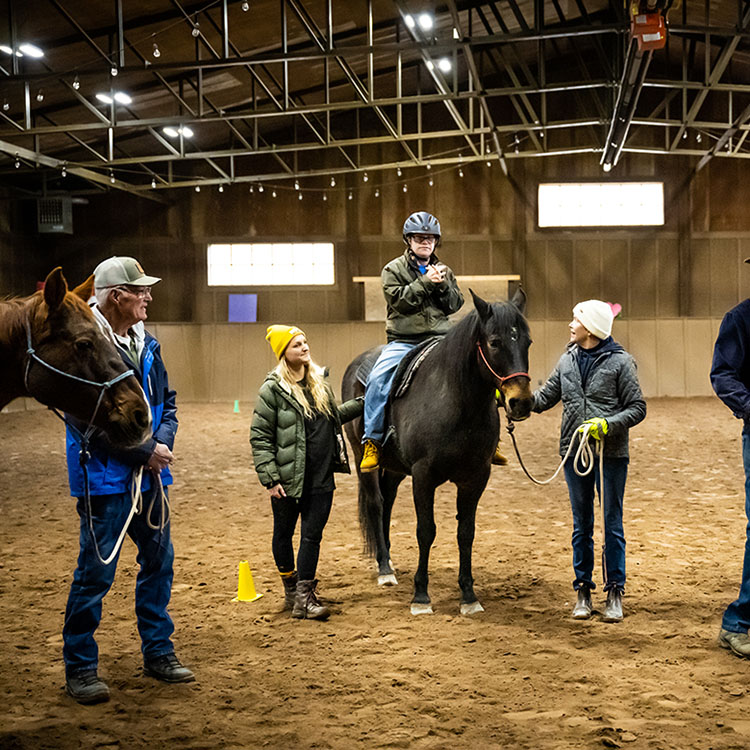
{"type": "Point", "coordinates": [417, 307]}
{"type": "Point", "coordinates": [277, 435]}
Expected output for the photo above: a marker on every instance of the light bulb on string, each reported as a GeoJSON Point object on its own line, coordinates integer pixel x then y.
{"type": "Point", "coordinates": [377, 193]}
{"type": "Point", "coordinates": [63, 171]}
{"type": "Point", "coordinates": [252, 189]}
{"type": "Point", "coordinates": [76, 82]}
{"type": "Point", "coordinates": [260, 187]}
{"type": "Point", "coordinates": [153, 182]}
{"type": "Point", "coordinates": [6, 105]}
{"type": "Point", "coordinates": [40, 95]}
{"type": "Point", "coordinates": [196, 30]}
{"type": "Point", "coordinates": [156, 52]}
{"type": "Point", "coordinates": [405, 189]}
{"type": "Point", "coordinates": [299, 196]}
{"type": "Point", "coordinates": [325, 196]}
{"type": "Point", "coordinates": [431, 182]}
{"type": "Point", "coordinates": [684, 136]}
{"type": "Point", "coordinates": [245, 7]}
{"type": "Point", "coordinates": [333, 182]}
{"type": "Point", "coordinates": [197, 188]}
{"type": "Point", "coordinates": [365, 177]}
{"type": "Point", "coordinates": [221, 188]}
{"type": "Point", "coordinates": [111, 176]}
{"type": "Point", "coordinates": [17, 164]}
{"type": "Point", "coordinates": [351, 195]}
{"type": "Point", "coordinates": [460, 172]}
{"type": "Point", "coordinates": [429, 166]}
{"type": "Point", "coordinates": [296, 185]}
{"type": "Point", "coordinates": [273, 193]}
{"type": "Point", "coordinates": [698, 137]}
{"type": "Point", "coordinates": [398, 171]}
{"type": "Point", "coordinates": [113, 71]}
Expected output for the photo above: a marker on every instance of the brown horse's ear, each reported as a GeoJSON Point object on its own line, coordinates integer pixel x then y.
{"type": "Point", "coordinates": [55, 289]}
{"type": "Point", "coordinates": [483, 308]}
{"type": "Point", "coordinates": [519, 300]}
{"type": "Point", "coordinates": [85, 290]}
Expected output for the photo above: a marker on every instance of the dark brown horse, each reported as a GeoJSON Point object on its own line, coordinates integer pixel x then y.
{"type": "Point", "coordinates": [52, 349]}
{"type": "Point", "coordinates": [446, 429]}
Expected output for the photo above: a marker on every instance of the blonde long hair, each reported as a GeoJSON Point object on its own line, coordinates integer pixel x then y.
{"type": "Point", "coordinates": [316, 383]}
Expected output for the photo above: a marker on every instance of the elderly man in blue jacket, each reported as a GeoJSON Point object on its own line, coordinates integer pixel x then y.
{"type": "Point", "coordinates": [730, 378]}
{"type": "Point", "coordinates": [106, 506]}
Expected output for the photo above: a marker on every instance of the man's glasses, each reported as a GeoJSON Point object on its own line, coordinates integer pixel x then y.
{"type": "Point", "coordinates": [138, 291]}
{"type": "Point", "coordinates": [424, 237]}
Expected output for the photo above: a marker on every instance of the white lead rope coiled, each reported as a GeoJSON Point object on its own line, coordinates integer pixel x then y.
{"type": "Point", "coordinates": [585, 456]}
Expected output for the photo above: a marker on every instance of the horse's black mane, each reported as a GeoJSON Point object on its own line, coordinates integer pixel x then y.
{"type": "Point", "coordinates": [459, 345]}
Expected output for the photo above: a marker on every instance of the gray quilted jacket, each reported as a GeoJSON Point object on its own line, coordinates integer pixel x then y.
{"type": "Point", "coordinates": [612, 391]}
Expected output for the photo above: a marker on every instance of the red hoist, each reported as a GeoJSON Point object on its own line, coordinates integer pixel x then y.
{"type": "Point", "coordinates": [647, 24]}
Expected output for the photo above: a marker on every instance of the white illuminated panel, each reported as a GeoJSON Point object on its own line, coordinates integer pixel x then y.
{"type": "Point", "coordinates": [271, 264]}
{"type": "Point", "coordinates": [601, 204]}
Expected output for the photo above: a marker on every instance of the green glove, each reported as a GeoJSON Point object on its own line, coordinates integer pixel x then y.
{"type": "Point", "coordinates": [599, 427]}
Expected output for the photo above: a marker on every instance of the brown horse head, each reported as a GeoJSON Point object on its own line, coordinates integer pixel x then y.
{"type": "Point", "coordinates": [66, 336]}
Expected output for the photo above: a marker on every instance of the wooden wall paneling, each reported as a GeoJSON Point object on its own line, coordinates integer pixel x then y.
{"type": "Point", "coordinates": [559, 273]}
{"type": "Point", "coordinates": [699, 278]}
{"type": "Point", "coordinates": [670, 354]}
{"type": "Point", "coordinates": [642, 278]}
{"type": "Point", "coordinates": [668, 283]}
{"type": "Point", "coordinates": [587, 269]}
{"type": "Point", "coordinates": [534, 282]}
{"type": "Point", "coordinates": [643, 346]}
{"type": "Point", "coordinates": [227, 359]}
{"type": "Point", "coordinates": [615, 276]}
{"type": "Point", "coordinates": [475, 254]}
{"type": "Point", "coordinates": [501, 258]}
{"type": "Point", "coordinates": [724, 264]}
{"type": "Point", "coordinates": [698, 342]}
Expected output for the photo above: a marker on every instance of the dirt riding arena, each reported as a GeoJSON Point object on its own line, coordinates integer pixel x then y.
{"type": "Point", "coordinates": [520, 675]}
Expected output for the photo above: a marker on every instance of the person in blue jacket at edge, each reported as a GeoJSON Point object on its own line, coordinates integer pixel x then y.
{"type": "Point", "coordinates": [122, 292]}
{"type": "Point", "coordinates": [730, 378]}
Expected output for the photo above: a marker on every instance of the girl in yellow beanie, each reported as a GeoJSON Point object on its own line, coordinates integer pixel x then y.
{"type": "Point", "coordinates": [297, 445]}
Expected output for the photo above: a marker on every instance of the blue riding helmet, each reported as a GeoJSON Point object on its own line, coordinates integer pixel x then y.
{"type": "Point", "coordinates": [421, 222]}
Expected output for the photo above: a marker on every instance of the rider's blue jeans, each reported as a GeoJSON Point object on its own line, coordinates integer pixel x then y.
{"type": "Point", "coordinates": [379, 386]}
{"type": "Point", "coordinates": [581, 491]}
{"type": "Point", "coordinates": [737, 615]}
{"type": "Point", "coordinates": [92, 580]}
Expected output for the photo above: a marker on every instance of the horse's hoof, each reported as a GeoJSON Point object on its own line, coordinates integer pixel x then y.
{"type": "Point", "coordinates": [471, 609]}
{"type": "Point", "coordinates": [387, 580]}
{"type": "Point", "coordinates": [418, 608]}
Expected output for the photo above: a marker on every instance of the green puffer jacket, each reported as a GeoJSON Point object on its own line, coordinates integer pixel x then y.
{"type": "Point", "coordinates": [277, 435]}
{"type": "Point", "coordinates": [418, 307]}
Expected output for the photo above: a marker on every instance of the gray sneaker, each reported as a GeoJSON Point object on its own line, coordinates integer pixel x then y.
{"type": "Point", "coordinates": [737, 643]}
{"type": "Point", "coordinates": [613, 608]}
{"type": "Point", "coordinates": [582, 609]}
{"type": "Point", "coordinates": [86, 687]}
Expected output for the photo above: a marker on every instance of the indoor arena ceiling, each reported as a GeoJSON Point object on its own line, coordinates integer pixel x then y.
{"type": "Point", "coordinates": [149, 96]}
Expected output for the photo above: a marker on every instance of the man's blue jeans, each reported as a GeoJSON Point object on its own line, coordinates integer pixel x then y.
{"type": "Point", "coordinates": [581, 491]}
{"type": "Point", "coordinates": [737, 615]}
{"type": "Point", "coordinates": [92, 580]}
{"type": "Point", "coordinates": [379, 386]}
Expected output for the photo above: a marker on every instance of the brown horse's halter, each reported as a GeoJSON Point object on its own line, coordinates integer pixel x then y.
{"type": "Point", "coordinates": [500, 378]}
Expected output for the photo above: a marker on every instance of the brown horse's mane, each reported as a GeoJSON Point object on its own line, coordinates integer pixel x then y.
{"type": "Point", "coordinates": [13, 310]}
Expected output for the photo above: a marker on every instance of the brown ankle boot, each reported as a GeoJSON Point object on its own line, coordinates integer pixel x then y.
{"type": "Point", "coordinates": [306, 604]}
{"type": "Point", "coordinates": [290, 589]}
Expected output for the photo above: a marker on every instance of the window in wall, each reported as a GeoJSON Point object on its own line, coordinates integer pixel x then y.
{"type": "Point", "coordinates": [270, 264]}
{"type": "Point", "coordinates": [601, 204]}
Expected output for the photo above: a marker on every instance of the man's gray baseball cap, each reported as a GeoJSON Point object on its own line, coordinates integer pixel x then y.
{"type": "Point", "coordinates": [122, 270]}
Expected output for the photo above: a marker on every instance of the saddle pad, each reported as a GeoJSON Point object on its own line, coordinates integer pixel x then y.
{"type": "Point", "coordinates": [409, 365]}
{"type": "Point", "coordinates": [363, 371]}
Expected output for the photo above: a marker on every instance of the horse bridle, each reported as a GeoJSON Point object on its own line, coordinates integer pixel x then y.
{"type": "Point", "coordinates": [34, 357]}
{"type": "Point", "coordinates": [500, 378]}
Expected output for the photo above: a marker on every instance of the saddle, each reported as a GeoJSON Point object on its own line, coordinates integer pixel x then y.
{"type": "Point", "coordinates": [408, 366]}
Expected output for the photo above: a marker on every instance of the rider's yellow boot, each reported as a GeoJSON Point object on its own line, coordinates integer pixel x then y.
{"type": "Point", "coordinates": [499, 459]}
{"type": "Point", "coordinates": [371, 458]}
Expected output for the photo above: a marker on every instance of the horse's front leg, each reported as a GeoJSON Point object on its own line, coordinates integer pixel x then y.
{"type": "Point", "coordinates": [424, 502]}
{"type": "Point", "coordinates": [467, 500]}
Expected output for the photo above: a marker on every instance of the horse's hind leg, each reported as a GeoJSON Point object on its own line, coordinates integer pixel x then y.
{"type": "Point", "coordinates": [389, 482]}
{"type": "Point", "coordinates": [424, 502]}
{"type": "Point", "coordinates": [466, 505]}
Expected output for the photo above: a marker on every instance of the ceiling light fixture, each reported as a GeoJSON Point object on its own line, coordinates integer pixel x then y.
{"type": "Point", "coordinates": [104, 98]}
{"type": "Point", "coordinates": [245, 7]}
{"type": "Point", "coordinates": [113, 71]}
{"type": "Point", "coordinates": [30, 49]}
{"type": "Point", "coordinates": [122, 98]}
{"type": "Point", "coordinates": [185, 131]}
{"type": "Point", "coordinates": [425, 21]}
{"type": "Point", "coordinates": [170, 131]}
{"type": "Point", "coordinates": [430, 65]}
{"type": "Point", "coordinates": [5, 48]}
{"type": "Point", "coordinates": [409, 21]}
{"type": "Point", "coordinates": [445, 64]}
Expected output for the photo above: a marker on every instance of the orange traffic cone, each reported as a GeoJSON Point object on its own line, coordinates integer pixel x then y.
{"type": "Point", "coordinates": [246, 587]}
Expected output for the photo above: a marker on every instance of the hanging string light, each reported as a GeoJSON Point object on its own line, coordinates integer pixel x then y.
{"type": "Point", "coordinates": [260, 187]}
{"type": "Point", "coordinates": [273, 194]}
{"type": "Point", "coordinates": [431, 182]}
{"type": "Point", "coordinates": [63, 171]}
{"type": "Point", "coordinates": [113, 71]}
{"type": "Point", "coordinates": [351, 195]}
{"type": "Point", "coordinates": [40, 95]}
{"type": "Point", "coordinates": [405, 189]}
{"type": "Point", "coordinates": [76, 82]}
{"type": "Point", "coordinates": [221, 188]}
{"type": "Point", "coordinates": [111, 176]}
{"type": "Point", "coordinates": [156, 52]}
{"type": "Point", "coordinates": [398, 171]}
{"type": "Point", "coordinates": [296, 185]}
{"type": "Point", "coordinates": [196, 30]}
{"type": "Point", "coordinates": [325, 196]}
{"type": "Point", "coordinates": [252, 189]}
{"type": "Point", "coordinates": [197, 188]}
{"type": "Point", "coordinates": [6, 105]}
{"type": "Point", "coordinates": [377, 193]}
{"type": "Point", "coordinates": [333, 182]}
{"type": "Point", "coordinates": [153, 182]}
{"type": "Point", "coordinates": [245, 7]}
{"type": "Point", "coordinates": [365, 177]}
{"type": "Point", "coordinates": [17, 164]}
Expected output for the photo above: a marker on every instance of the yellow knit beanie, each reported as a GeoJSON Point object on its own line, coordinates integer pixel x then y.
{"type": "Point", "coordinates": [279, 336]}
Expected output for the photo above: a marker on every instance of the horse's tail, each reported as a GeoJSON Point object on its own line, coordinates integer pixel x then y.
{"type": "Point", "coordinates": [370, 511]}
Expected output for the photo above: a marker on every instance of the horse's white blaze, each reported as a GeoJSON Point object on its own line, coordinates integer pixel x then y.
{"type": "Point", "coordinates": [421, 609]}
{"type": "Point", "coordinates": [387, 580]}
{"type": "Point", "coordinates": [471, 609]}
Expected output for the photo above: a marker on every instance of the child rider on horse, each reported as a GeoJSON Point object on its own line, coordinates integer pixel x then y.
{"type": "Point", "coordinates": [420, 293]}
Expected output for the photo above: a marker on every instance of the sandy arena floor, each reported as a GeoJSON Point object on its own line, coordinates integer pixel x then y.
{"type": "Point", "coordinates": [521, 675]}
